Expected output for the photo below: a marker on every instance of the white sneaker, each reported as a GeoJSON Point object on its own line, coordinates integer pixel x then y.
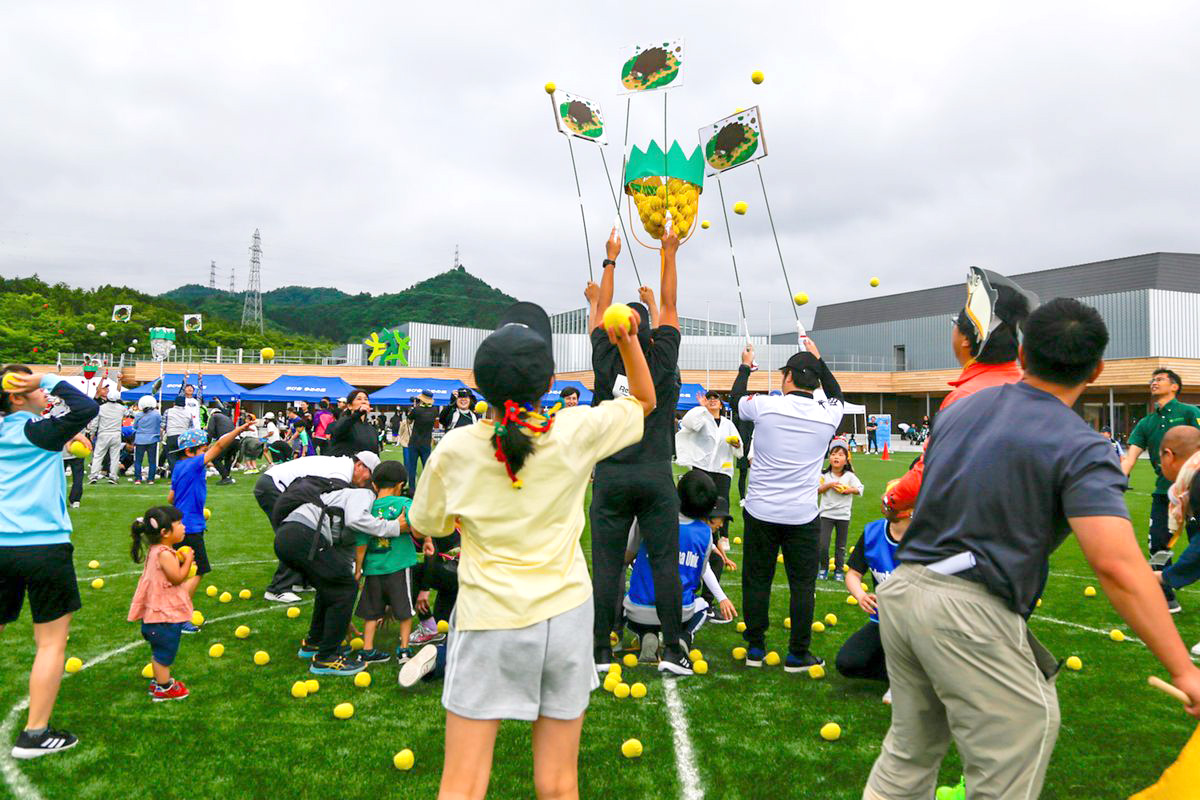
{"type": "Point", "coordinates": [887, 696]}
{"type": "Point", "coordinates": [418, 666]}
{"type": "Point", "coordinates": [282, 597]}
{"type": "Point", "coordinates": [1196, 649]}
{"type": "Point", "coordinates": [75, 504]}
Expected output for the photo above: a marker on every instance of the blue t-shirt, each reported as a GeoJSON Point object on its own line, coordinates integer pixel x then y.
{"type": "Point", "coordinates": [189, 481]}
{"type": "Point", "coordinates": [876, 552]}
{"type": "Point", "coordinates": [695, 537]}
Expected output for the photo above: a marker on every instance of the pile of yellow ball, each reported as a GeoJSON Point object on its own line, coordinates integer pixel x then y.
{"type": "Point", "coordinates": [654, 201]}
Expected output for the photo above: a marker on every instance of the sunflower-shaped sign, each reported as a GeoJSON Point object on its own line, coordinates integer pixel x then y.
{"type": "Point", "coordinates": [660, 184]}
{"type": "Point", "coordinates": [733, 141]}
{"type": "Point", "coordinates": [653, 66]}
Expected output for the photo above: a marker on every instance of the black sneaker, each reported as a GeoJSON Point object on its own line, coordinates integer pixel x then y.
{"type": "Point", "coordinates": [50, 741]}
{"type": "Point", "coordinates": [675, 661]}
{"type": "Point", "coordinates": [604, 658]}
{"type": "Point", "coordinates": [802, 663]}
{"type": "Point", "coordinates": [715, 618]}
{"type": "Point", "coordinates": [373, 656]}
{"type": "Point", "coordinates": [340, 665]}
{"type": "Point", "coordinates": [1173, 606]}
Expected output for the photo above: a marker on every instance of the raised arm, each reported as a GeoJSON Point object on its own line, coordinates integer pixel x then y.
{"type": "Point", "coordinates": [53, 433]}
{"type": "Point", "coordinates": [216, 448]}
{"type": "Point", "coordinates": [669, 289]}
{"type": "Point", "coordinates": [612, 249]}
{"type": "Point", "coordinates": [646, 295]}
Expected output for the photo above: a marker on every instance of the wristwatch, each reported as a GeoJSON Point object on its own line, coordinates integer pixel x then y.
{"type": "Point", "coordinates": [608, 261]}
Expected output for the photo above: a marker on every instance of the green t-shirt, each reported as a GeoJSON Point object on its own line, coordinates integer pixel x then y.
{"type": "Point", "coordinates": [1148, 433]}
{"type": "Point", "coordinates": [385, 556]}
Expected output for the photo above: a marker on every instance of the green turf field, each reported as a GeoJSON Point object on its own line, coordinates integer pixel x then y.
{"type": "Point", "coordinates": [752, 733]}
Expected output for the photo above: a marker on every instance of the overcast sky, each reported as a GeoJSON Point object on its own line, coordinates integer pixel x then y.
{"type": "Point", "coordinates": [907, 141]}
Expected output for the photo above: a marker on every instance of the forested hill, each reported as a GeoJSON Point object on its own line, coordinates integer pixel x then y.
{"type": "Point", "coordinates": [454, 297]}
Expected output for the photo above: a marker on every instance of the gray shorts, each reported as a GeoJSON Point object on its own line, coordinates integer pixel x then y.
{"type": "Point", "coordinates": [544, 670]}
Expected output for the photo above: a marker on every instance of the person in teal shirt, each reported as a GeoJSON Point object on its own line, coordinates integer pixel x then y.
{"type": "Point", "coordinates": [385, 566]}
{"type": "Point", "coordinates": [1147, 436]}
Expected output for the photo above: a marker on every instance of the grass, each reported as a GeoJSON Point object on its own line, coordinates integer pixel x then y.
{"type": "Point", "coordinates": [754, 732]}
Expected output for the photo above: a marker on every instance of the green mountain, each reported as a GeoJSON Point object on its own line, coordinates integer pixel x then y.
{"type": "Point", "coordinates": [38, 320]}
{"type": "Point", "coordinates": [454, 297]}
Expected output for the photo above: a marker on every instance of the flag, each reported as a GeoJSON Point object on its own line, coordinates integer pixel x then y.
{"type": "Point", "coordinates": [193, 323]}
{"type": "Point", "coordinates": [1181, 778]}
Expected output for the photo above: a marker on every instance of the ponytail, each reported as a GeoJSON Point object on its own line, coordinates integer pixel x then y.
{"type": "Point", "coordinates": [147, 530]}
{"type": "Point", "coordinates": [514, 445]}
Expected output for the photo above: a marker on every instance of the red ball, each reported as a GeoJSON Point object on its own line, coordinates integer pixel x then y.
{"type": "Point", "coordinates": [60, 330]}
{"type": "Point", "coordinates": [45, 305]}
{"type": "Point", "coordinates": [35, 349]}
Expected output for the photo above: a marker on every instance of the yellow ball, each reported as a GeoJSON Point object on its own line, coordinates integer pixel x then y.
{"type": "Point", "coordinates": [700, 667]}
{"type": "Point", "coordinates": [261, 658]}
{"type": "Point", "coordinates": [356, 643]}
{"type": "Point", "coordinates": [244, 594]}
{"type": "Point", "coordinates": [741, 627]}
{"type": "Point", "coordinates": [549, 87]}
{"type": "Point", "coordinates": [78, 449]}
{"type": "Point", "coordinates": [613, 639]}
{"type": "Point", "coordinates": [293, 612]}
{"type": "Point", "coordinates": [630, 660]}
{"type": "Point", "coordinates": [313, 685]}
{"type": "Point", "coordinates": [1074, 662]}
{"type": "Point", "coordinates": [405, 759]}
{"type": "Point", "coordinates": [621, 690]}
{"type": "Point", "coordinates": [831, 731]}
{"type": "Point", "coordinates": [618, 316]}
{"type": "Point", "coordinates": [631, 748]}
{"type": "Point", "coordinates": [185, 551]}
{"type": "Point", "coordinates": [1039, 602]}
{"type": "Point", "coordinates": [98, 583]}
{"type": "Point", "coordinates": [197, 618]}
{"type": "Point", "coordinates": [480, 408]}
{"type": "Point", "coordinates": [148, 671]}
{"type": "Point", "coordinates": [208, 513]}
{"type": "Point", "coordinates": [705, 224]}
{"type": "Point", "coordinates": [242, 631]}
{"type": "Point", "coordinates": [695, 655]}
{"type": "Point", "coordinates": [757, 76]}
{"type": "Point", "coordinates": [225, 597]}
{"type": "Point", "coordinates": [299, 690]}
{"type": "Point", "coordinates": [772, 659]}
{"type": "Point", "coordinates": [267, 353]}
{"type": "Point", "coordinates": [193, 571]}
{"type": "Point", "coordinates": [610, 683]}
{"type": "Point", "coordinates": [443, 626]}
{"type": "Point", "coordinates": [801, 298]}
{"type": "Point", "coordinates": [779, 558]}
{"type": "Point", "coordinates": [217, 650]}
{"type": "Point", "coordinates": [816, 672]}
{"type": "Point", "coordinates": [739, 653]}
{"type": "Point", "coordinates": [614, 669]}
{"type": "Point", "coordinates": [343, 710]}
{"type": "Point", "coordinates": [818, 627]}
{"type": "Point", "coordinates": [874, 282]}
{"type": "Point", "coordinates": [1116, 635]}
{"type": "Point", "coordinates": [93, 565]}
{"type": "Point", "coordinates": [737, 540]}
{"type": "Point", "coordinates": [787, 622]}
{"type": "Point", "coordinates": [851, 600]}
{"type": "Point", "coordinates": [831, 620]}
{"type": "Point", "coordinates": [1089, 591]}
{"type": "Point", "coordinates": [211, 591]}
{"type": "Point", "coordinates": [73, 664]}
{"type": "Point", "coordinates": [637, 691]}
{"type": "Point", "coordinates": [362, 680]}
{"type": "Point", "coordinates": [740, 207]}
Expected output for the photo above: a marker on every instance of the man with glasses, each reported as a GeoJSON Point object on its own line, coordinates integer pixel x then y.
{"type": "Point", "coordinates": [1147, 436]}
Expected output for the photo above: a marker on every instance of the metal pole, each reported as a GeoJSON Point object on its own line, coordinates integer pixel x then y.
{"type": "Point", "coordinates": [778, 249]}
{"type": "Point", "coordinates": [770, 330]}
{"type": "Point", "coordinates": [579, 193]}
{"type": "Point", "coordinates": [617, 204]}
{"type": "Point", "coordinates": [708, 345]}
{"type": "Point", "coordinates": [1112, 413]}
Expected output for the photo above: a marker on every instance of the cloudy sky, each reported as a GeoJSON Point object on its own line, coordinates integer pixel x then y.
{"type": "Point", "coordinates": [142, 140]}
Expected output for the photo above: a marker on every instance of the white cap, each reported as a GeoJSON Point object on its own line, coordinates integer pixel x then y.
{"type": "Point", "coordinates": [368, 459]}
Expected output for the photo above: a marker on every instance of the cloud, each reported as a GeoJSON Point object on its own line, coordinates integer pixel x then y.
{"type": "Point", "coordinates": [366, 140]}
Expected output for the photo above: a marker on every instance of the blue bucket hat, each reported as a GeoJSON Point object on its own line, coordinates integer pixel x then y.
{"type": "Point", "coordinates": [192, 438]}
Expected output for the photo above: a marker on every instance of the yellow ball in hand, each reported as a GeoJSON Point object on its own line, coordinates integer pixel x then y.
{"type": "Point", "coordinates": [343, 710]}
{"type": "Point", "coordinates": [757, 76]}
{"type": "Point", "coordinates": [618, 316]}
{"type": "Point", "coordinates": [631, 748]}
{"type": "Point", "coordinates": [801, 298]}
{"type": "Point", "coordinates": [405, 759]}
{"type": "Point", "coordinates": [73, 665]}
{"type": "Point", "coordinates": [1074, 663]}
{"type": "Point", "coordinates": [362, 680]}
{"type": "Point", "coordinates": [217, 650]}
{"type": "Point", "coordinates": [262, 658]}
{"type": "Point", "coordinates": [831, 731]}
{"type": "Point", "coordinates": [740, 207]}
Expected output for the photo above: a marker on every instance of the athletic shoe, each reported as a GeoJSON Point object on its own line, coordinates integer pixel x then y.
{"type": "Point", "coordinates": [226, 482]}
{"type": "Point", "coordinates": [420, 665]}
{"type": "Point", "coordinates": [175, 691]}
{"type": "Point", "coordinates": [802, 663]}
{"type": "Point", "coordinates": [1173, 606]}
{"type": "Point", "coordinates": [403, 654]}
{"type": "Point", "coordinates": [306, 650]}
{"type": "Point", "coordinates": [675, 661]}
{"type": "Point", "coordinates": [75, 504]}
{"type": "Point", "coordinates": [823, 575]}
{"type": "Point", "coordinates": [649, 649]}
{"type": "Point", "coordinates": [714, 617]}
{"type": "Point", "coordinates": [1196, 649]}
{"type": "Point", "coordinates": [189, 628]}
{"type": "Point", "coordinates": [45, 743]}
{"type": "Point", "coordinates": [840, 577]}
{"type": "Point", "coordinates": [373, 656]}
{"type": "Point", "coordinates": [424, 637]}
{"type": "Point", "coordinates": [137, 483]}
{"type": "Point", "coordinates": [604, 658]}
{"type": "Point", "coordinates": [887, 697]}
{"type": "Point", "coordinates": [340, 665]}
{"type": "Point", "coordinates": [281, 597]}
{"type": "Point", "coordinates": [755, 656]}
{"type": "Point", "coordinates": [150, 482]}
{"type": "Point", "coordinates": [114, 481]}
{"type": "Point", "coordinates": [93, 481]}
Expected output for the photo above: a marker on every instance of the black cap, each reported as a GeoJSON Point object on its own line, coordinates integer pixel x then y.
{"type": "Point", "coordinates": [516, 362]}
{"type": "Point", "coordinates": [801, 362]}
{"type": "Point", "coordinates": [721, 510]}
{"type": "Point", "coordinates": [643, 331]}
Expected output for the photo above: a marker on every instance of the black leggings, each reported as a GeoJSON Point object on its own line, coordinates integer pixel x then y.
{"type": "Point", "coordinates": [331, 571]}
{"type": "Point", "coordinates": [827, 528]}
{"type": "Point", "coordinates": [862, 655]}
{"type": "Point", "coordinates": [76, 467]}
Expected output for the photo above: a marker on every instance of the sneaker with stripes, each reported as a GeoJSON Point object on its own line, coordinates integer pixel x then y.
{"type": "Point", "coordinates": [43, 744]}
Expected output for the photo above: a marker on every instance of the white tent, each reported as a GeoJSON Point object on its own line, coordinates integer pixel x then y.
{"type": "Point", "coordinates": [850, 409]}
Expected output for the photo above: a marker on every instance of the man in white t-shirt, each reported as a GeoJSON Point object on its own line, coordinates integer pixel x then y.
{"type": "Point", "coordinates": [791, 434]}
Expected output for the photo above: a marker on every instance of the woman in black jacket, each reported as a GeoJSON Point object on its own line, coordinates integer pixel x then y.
{"type": "Point", "coordinates": [352, 433]}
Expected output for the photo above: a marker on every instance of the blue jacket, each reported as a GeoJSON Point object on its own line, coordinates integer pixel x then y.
{"type": "Point", "coordinates": [147, 427]}
{"type": "Point", "coordinates": [33, 489]}
{"type": "Point", "coordinates": [695, 538]}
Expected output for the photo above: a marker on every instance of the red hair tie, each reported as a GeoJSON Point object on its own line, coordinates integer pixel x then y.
{"type": "Point", "coordinates": [512, 415]}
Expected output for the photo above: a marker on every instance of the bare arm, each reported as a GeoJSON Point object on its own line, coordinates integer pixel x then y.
{"type": "Point", "coordinates": [216, 448]}
{"type": "Point", "coordinates": [175, 570]}
{"type": "Point", "coordinates": [1111, 549]}
{"type": "Point", "coordinates": [595, 314]}
{"type": "Point", "coordinates": [1130, 458]}
{"type": "Point", "coordinates": [670, 281]}
{"type": "Point", "coordinates": [646, 295]}
{"type": "Point", "coordinates": [607, 277]}
{"type": "Point", "coordinates": [360, 554]}
{"type": "Point", "coordinates": [854, 585]}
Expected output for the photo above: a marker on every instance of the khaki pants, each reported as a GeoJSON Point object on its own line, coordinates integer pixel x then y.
{"type": "Point", "coordinates": [961, 665]}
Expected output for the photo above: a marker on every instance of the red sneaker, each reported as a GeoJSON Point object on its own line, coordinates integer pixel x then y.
{"type": "Point", "coordinates": [176, 691]}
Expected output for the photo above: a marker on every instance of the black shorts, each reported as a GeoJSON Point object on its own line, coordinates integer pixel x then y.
{"type": "Point", "coordinates": [196, 542]}
{"type": "Point", "coordinates": [381, 591]}
{"type": "Point", "coordinates": [47, 573]}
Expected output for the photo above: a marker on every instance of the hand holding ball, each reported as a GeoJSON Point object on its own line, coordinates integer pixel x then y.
{"type": "Point", "coordinates": [77, 448]}
{"type": "Point", "coordinates": [618, 316]}
{"type": "Point", "coordinates": [481, 407]}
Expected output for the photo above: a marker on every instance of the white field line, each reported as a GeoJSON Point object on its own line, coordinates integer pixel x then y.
{"type": "Point", "coordinates": [20, 785]}
{"type": "Point", "coordinates": [685, 760]}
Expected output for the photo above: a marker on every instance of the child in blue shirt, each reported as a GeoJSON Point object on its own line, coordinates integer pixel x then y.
{"type": "Point", "coordinates": [697, 500]}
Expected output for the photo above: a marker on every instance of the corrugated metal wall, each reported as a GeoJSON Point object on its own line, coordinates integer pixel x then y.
{"type": "Point", "coordinates": [1173, 324]}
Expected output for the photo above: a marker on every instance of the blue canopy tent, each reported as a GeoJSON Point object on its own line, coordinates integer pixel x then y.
{"type": "Point", "coordinates": [405, 390]}
{"type": "Point", "coordinates": [687, 396]}
{"type": "Point", "coordinates": [553, 396]}
{"type": "Point", "coordinates": [288, 388]}
{"type": "Point", "coordinates": [217, 386]}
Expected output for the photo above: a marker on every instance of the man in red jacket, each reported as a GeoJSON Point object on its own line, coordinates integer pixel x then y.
{"type": "Point", "coordinates": [985, 338]}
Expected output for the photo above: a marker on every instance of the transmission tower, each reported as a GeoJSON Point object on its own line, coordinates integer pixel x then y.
{"type": "Point", "coordinates": [212, 276]}
{"type": "Point", "coordinates": [232, 288]}
{"type": "Point", "coordinates": [457, 263]}
{"type": "Point", "coordinates": [252, 309]}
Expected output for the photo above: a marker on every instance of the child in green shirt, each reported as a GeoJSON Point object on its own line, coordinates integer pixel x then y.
{"type": "Point", "coordinates": [387, 566]}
